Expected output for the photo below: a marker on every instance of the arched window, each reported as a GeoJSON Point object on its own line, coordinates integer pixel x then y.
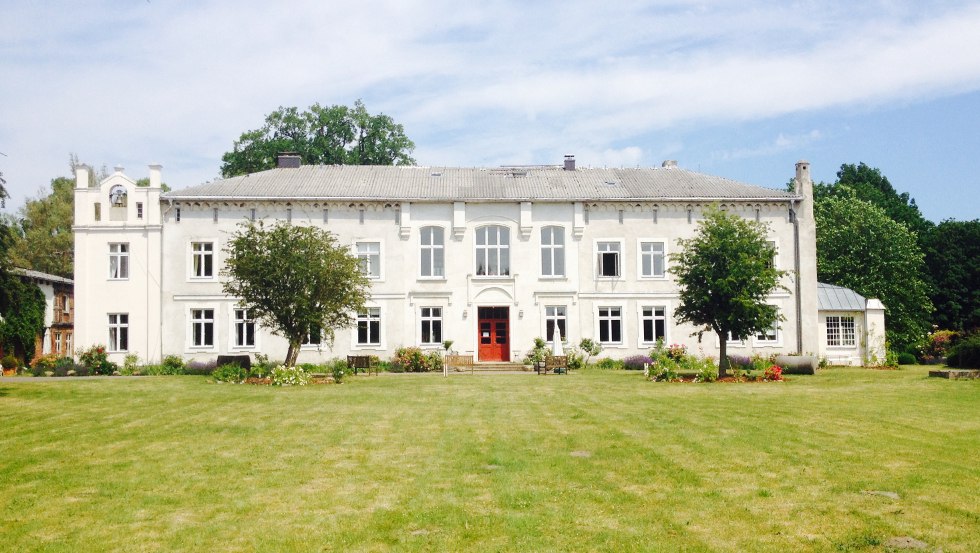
{"type": "Point", "coordinates": [493, 251]}
{"type": "Point", "coordinates": [433, 252]}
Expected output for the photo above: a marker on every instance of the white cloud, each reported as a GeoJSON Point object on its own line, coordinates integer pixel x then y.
{"type": "Point", "coordinates": [498, 82]}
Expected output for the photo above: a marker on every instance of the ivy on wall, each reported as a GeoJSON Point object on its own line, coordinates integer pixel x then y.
{"type": "Point", "coordinates": [22, 309]}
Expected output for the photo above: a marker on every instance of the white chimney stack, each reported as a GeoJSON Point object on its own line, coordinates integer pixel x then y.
{"type": "Point", "coordinates": [155, 180]}
{"type": "Point", "coordinates": [82, 175]}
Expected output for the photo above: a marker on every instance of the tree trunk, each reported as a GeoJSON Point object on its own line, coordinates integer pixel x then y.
{"type": "Point", "coordinates": [723, 355]}
{"type": "Point", "coordinates": [292, 353]}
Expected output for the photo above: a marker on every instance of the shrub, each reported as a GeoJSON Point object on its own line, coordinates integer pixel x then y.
{"type": "Point", "coordinates": [231, 372]}
{"type": "Point", "coordinates": [938, 343]}
{"type": "Point", "coordinates": [338, 371]}
{"type": "Point", "coordinates": [537, 354]}
{"type": "Point", "coordinates": [589, 349]}
{"type": "Point", "coordinates": [10, 362]}
{"type": "Point", "coordinates": [965, 354]}
{"type": "Point", "coordinates": [773, 373]}
{"type": "Point", "coordinates": [677, 352]}
{"type": "Point", "coordinates": [576, 360]}
{"type": "Point", "coordinates": [607, 363]}
{"type": "Point", "coordinates": [665, 371]}
{"type": "Point", "coordinates": [906, 358]}
{"type": "Point", "coordinates": [742, 362]}
{"type": "Point", "coordinates": [282, 375]}
{"type": "Point", "coordinates": [96, 360]}
{"type": "Point", "coordinates": [412, 359]}
{"type": "Point", "coordinates": [636, 362]}
{"type": "Point", "coordinates": [172, 364]}
{"type": "Point", "coordinates": [130, 364]}
{"type": "Point", "coordinates": [46, 363]}
{"type": "Point", "coordinates": [707, 370]}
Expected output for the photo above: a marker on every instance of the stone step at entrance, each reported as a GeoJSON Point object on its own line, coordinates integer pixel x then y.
{"type": "Point", "coordinates": [495, 367]}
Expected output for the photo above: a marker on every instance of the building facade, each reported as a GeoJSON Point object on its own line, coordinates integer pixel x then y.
{"type": "Point", "coordinates": [487, 258]}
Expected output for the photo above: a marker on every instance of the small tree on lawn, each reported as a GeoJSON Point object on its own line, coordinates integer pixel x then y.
{"type": "Point", "coordinates": [294, 278]}
{"type": "Point", "coordinates": [726, 273]}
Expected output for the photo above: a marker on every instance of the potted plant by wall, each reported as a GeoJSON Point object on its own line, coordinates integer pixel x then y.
{"type": "Point", "coordinates": [10, 364]}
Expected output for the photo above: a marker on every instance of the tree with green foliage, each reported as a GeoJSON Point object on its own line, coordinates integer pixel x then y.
{"type": "Point", "coordinates": [859, 246]}
{"type": "Point", "coordinates": [867, 183]}
{"type": "Point", "coordinates": [334, 135]}
{"type": "Point", "coordinates": [46, 242]}
{"type": "Point", "coordinates": [952, 251]}
{"type": "Point", "coordinates": [293, 279]}
{"type": "Point", "coordinates": [725, 275]}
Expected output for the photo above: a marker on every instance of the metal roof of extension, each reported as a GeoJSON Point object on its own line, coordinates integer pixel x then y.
{"type": "Point", "coordinates": [411, 183]}
{"type": "Point", "coordinates": [838, 298]}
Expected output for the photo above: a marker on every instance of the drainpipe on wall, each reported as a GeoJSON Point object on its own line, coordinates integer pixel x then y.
{"type": "Point", "coordinates": [796, 279]}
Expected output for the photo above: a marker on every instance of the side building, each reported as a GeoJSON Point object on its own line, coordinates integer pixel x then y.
{"type": "Point", "coordinates": [488, 258]}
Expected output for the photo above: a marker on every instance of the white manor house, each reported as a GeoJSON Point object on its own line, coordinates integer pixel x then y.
{"type": "Point", "coordinates": [487, 257]}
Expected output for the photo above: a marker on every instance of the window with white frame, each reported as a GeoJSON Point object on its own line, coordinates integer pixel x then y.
{"type": "Point", "coordinates": [119, 261]}
{"type": "Point", "coordinates": [653, 324]}
{"type": "Point", "coordinates": [735, 341]}
{"type": "Point", "coordinates": [118, 332]}
{"type": "Point", "coordinates": [431, 319]}
{"type": "Point", "coordinates": [244, 329]}
{"type": "Point", "coordinates": [652, 260]}
{"type": "Point", "coordinates": [202, 328]}
{"type": "Point", "coordinates": [369, 327]}
{"type": "Point", "coordinates": [314, 337]}
{"type": "Point", "coordinates": [610, 325]}
{"type": "Point", "coordinates": [493, 251]}
{"type": "Point", "coordinates": [772, 260]}
{"type": "Point", "coordinates": [433, 252]}
{"type": "Point", "coordinates": [369, 255]}
{"type": "Point", "coordinates": [840, 330]}
{"type": "Point", "coordinates": [555, 316]}
{"type": "Point", "coordinates": [768, 335]}
{"type": "Point", "coordinates": [552, 252]}
{"type": "Point", "coordinates": [608, 259]}
{"type": "Point", "coordinates": [202, 259]}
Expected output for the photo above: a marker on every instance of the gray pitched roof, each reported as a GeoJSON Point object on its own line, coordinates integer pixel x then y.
{"type": "Point", "coordinates": [838, 298]}
{"type": "Point", "coordinates": [393, 183]}
{"type": "Point", "coordinates": [38, 275]}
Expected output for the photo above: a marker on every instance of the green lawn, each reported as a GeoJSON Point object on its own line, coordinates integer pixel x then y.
{"type": "Point", "coordinates": [595, 461]}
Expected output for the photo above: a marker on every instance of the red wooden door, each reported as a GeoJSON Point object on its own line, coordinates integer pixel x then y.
{"type": "Point", "coordinates": [493, 333]}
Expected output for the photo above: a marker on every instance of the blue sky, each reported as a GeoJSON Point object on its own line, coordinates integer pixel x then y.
{"type": "Point", "coordinates": [739, 89]}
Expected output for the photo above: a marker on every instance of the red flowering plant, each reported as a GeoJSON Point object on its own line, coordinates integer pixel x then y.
{"type": "Point", "coordinates": [96, 360]}
{"type": "Point", "coordinates": [774, 372]}
{"type": "Point", "coordinates": [677, 352]}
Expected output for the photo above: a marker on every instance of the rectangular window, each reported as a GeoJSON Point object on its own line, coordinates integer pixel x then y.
{"type": "Point", "coordinates": [177, 215]}
{"type": "Point", "coordinates": [98, 211]}
{"type": "Point", "coordinates": [214, 214]}
{"type": "Point", "coordinates": [772, 260]}
{"type": "Point", "coordinates": [431, 325]}
{"type": "Point", "coordinates": [118, 332]}
{"type": "Point", "coordinates": [202, 328]}
{"type": "Point", "coordinates": [840, 331]}
{"type": "Point", "coordinates": [202, 262]}
{"type": "Point", "coordinates": [554, 316]}
{"type": "Point", "coordinates": [768, 335]}
{"type": "Point", "coordinates": [610, 325]}
{"type": "Point", "coordinates": [139, 210]}
{"type": "Point", "coordinates": [369, 255]}
{"type": "Point", "coordinates": [493, 251]}
{"type": "Point", "coordinates": [251, 214]}
{"type": "Point", "coordinates": [289, 215]}
{"type": "Point", "coordinates": [314, 337]}
{"type": "Point", "coordinates": [652, 260]}
{"type": "Point", "coordinates": [369, 327]}
{"type": "Point", "coordinates": [552, 251]}
{"type": "Point", "coordinates": [607, 261]}
{"type": "Point", "coordinates": [119, 261]}
{"type": "Point", "coordinates": [433, 252]}
{"type": "Point", "coordinates": [244, 329]}
{"type": "Point", "coordinates": [654, 324]}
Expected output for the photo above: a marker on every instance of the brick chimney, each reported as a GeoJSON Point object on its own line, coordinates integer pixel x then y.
{"type": "Point", "coordinates": [569, 162]}
{"type": "Point", "coordinates": [288, 160]}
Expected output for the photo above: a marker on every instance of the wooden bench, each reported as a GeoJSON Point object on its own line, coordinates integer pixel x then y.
{"type": "Point", "coordinates": [557, 364]}
{"type": "Point", "coordinates": [361, 362]}
{"type": "Point", "coordinates": [463, 361]}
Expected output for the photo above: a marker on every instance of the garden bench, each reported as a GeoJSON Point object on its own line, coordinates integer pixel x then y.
{"type": "Point", "coordinates": [558, 364]}
{"type": "Point", "coordinates": [463, 361]}
{"type": "Point", "coordinates": [361, 362]}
